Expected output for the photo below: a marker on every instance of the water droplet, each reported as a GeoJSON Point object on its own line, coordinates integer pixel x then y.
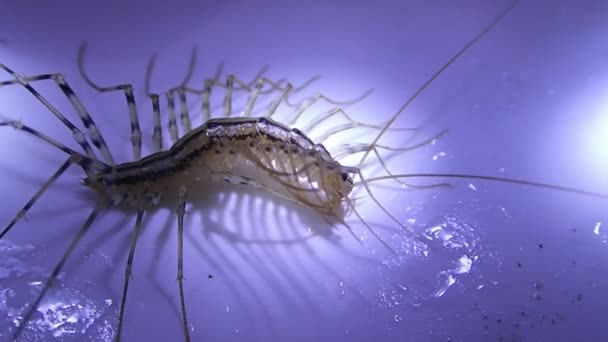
{"type": "Point", "coordinates": [439, 155]}
{"type": "Point", "coordinates": [108, 302]}
{"type": "Point", "coordinates": [227, 308]}
{"type": "Point", "coordinates": [398, 318]}
{"type": "Point", "coordinates": [448, 281]}
{"type": "Point", "coordinates": [596, 229]}
{"type": "Point", "coordinates": [464, 265]}
{"type": "Point", "coordinates": [472, 187]}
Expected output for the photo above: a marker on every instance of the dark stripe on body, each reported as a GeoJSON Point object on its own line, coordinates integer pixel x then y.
{"type": "Point", "coordinates": [181, 164]}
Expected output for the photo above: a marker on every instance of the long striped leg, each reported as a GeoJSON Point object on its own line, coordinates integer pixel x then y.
{"type": "Point", "coordinates": [79, 137]}
{"type": "Point", "coordinates": [125, 288]}
{"type": "Point", "coordinates": [184, 115]}
{"type": "Point", "coordinates": [181, 211]}
{"type": "Point", "coordinates": [189, 72]}
{"type": "Point", "coordinates": [87, 164]}
{"type": "Point", "coordinates": [253, 95]}
{"type": "Point", "coordinates": [157, 135]}
{"type": "Point", "coordinates": [255, 87]}
{"type": "Point", "coordinates": [172, 119]}
{"type": "Point", "coordinates": [228, 96]}
{"type": "Point", "coordinates": [53, 277]}
{"type": "Point", "coordinates": [85, 117]}
{"type": "Point", "coordinates": [128, 91]}
{"type": "Point", "coordinates": [37, 195]}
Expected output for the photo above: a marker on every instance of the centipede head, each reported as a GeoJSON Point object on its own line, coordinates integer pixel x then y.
{"type": "Point", "coordinates": [339, 184]}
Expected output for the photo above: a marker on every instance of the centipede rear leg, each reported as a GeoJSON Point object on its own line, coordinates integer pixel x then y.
{"type": "Point", "coordinates": [77, 134]}
{"type": "Point", "coordinates": [128, 268]}
{"type": "Point", "coordinates": [127, 89]}
{"type": "Point", "coordinates": [59, 267]}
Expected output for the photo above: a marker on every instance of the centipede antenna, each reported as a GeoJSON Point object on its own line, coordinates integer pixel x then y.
{"type": "Point", "coordinates": [181, 211]}
{"type": "Point", "coordinates": [21, 214]}
{"type": "Point", "coordinates": [370, 229]}
{"type": "Point", "coordinates": [420, 187]}
{"type": "Point", "coordinates": [350, 230]}
{"type": "Point", "coordinates": [373, 197]}
{"type": "Point", "coordinates": [172, 118]}
{"type": "Point", "coordinates": [491, 178]}
{"type": "Point", "coordinates": [439, 72]}
{"type": "Point", "coordinates": [125, 288]}
{"type": "Point", "coordinates": [420, 144]}
{"type": "Point", "coordinates": [127, 89]}
{"type": "Point", "coordinates": [53, 277]}
{"type": "Point", "coordinates": [157, 135]}
{"type": "Point", "coordinates": [350, 149]}
{"type": "Point", "coordinates": [228, 96]}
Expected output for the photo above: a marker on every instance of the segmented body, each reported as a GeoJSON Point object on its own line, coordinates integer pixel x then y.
{"type": "Point", "coordinates": [251, 151]}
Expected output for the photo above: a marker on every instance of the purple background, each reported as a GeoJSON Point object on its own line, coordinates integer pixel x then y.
{"type": "Point", "coordinates": [528, 101]}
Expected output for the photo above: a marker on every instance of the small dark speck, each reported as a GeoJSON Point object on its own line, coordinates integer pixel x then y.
{"type": "Point", "coordinates": [540, 245]}
{"type": "Point", "coordinates": [210, 276]}
{"type": "Point", "coordinates": [579, 297]}
{"type": "Point", "coordinates": [499, 320]}
{"type": "Point", "coordinates": [538, 297]}
{"type": "Point", "coordinates": [523, 313]}
{"type": "Point", "coordinates": [519, 265]}
{"type": "Point", "coordinates": [517, 325]}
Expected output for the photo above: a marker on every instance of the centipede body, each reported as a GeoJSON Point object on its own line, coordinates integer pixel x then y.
{"type": "Point", "coordinates": [120, 265]}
